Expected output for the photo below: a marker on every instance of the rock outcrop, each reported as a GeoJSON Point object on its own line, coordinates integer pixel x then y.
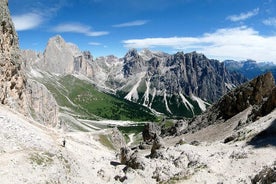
{"type": "Point", "coordinates": [42, 104]}
{"type": "Point", "coordinates": [266, 175]}
{"type": "Point", "coordinates": [12, 79]}
{"type": "Point", "coordinates": [131, 159]}
{"type": "Point", "coordinates": [156, 146]}
{"type": "Point", "coordinates": [258, 93]}
{"type": "Point", "coordinates": [151, 130]}
{"type": "Point", "coordinates": [117, 139]}
{"type": "Point", "coordinates": [16, 91]}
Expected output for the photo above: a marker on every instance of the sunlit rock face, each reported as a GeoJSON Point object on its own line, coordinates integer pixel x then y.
{"type": "Point", "coordinates": [12, 80]}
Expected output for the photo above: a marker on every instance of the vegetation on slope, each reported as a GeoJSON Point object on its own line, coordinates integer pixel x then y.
{"type": "Point", "coordinates": [86, 101]}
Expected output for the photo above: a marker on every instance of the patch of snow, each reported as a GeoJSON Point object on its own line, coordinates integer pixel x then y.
{"type": "Point", "coordinates": [133, 94]}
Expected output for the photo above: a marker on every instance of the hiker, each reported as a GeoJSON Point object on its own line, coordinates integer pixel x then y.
{"type": "Point", "coordinates": [63, 142]}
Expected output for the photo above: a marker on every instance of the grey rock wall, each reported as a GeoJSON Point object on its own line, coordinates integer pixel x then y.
{"type": "Point", "coordinates": [12, 79]}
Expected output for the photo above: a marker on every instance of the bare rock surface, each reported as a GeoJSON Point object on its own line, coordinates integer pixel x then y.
{"type": "Point", "coordinates": [258, 93]}
{"type": "Point", "coordinates": [12, 80]}
{"type": "Point", "coordinates": [42, 104]}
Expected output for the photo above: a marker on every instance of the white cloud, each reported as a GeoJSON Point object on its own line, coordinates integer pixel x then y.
{"type": "Point", "coordinates": [270, 21]}
{"type": "Point", "coordinates": [231, 43]}
{"type": "Point", "coordinates": [27, 21]}
{"type": "Point", "coordinates": [133, 23]}
{"type": "Point", "coordinates": [243, 16]}
{"type": "Point", "coordinates": [94, 43]}
{"type": "Point", "coordinates": [78, 28]}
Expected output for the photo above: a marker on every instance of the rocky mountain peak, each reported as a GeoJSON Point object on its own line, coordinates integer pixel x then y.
{"type": "Point", "coordinates": [59, 56]}
{"type": "Point", "coordinates": [147, 54]}
{"type": "Point", "coordinates": [132, 53]}
{"type": "Point", "coordinates": [87, 55]}
{"type": "Point", "coordinates": [12, 80]}
{"type": "Point", "coordinates": [133, 63]}
{"type": "Point", "coordinates": [57, 41]}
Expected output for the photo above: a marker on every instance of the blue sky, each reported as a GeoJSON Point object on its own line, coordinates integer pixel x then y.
{"type": "Point", "coordinates": [220, 29]}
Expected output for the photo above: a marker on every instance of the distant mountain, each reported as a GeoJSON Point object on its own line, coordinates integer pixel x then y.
{"type": "Point", "coordinates": [250, 68]}
{"type": "Point", "coordinates": [175, 84]}
{"type": "Point", "coordinates": [178, 85]}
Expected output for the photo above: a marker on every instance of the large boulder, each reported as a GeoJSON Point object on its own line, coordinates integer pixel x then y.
{"type": "Point", "coordinates": [251, 93]}
{"type": "Point", "coordinates": [151, 130]}
{"type": "Point", "coordinates": [117, 138]}
{"type": "Point", "coordinates": [42, 104]}
{"type": "Point", "coordinates": [265, 176]}
{"type": "Point", "coordinates": [157, 145]}
{"type": "Point", "coordinates": [131, 159]}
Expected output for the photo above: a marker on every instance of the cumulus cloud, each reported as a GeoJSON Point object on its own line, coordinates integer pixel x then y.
{"type": "Point", "coordinates": [229, 43]}
{"type": "Point", "coordinates": [243, 16]}
{"type": "Point", "coordinates": [133, 23]}
{"type": "Point", "coordinates": [27, 21]}
{"type": "Point", "coordinates": [78, 28]}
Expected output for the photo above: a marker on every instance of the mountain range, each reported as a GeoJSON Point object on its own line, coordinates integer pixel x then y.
{"type": "Point", "coordinates": [57, 107]}
{"type": "Point", "coordinates": [178, 85]}
{"type": "Point", "coordinates": [250, 68]}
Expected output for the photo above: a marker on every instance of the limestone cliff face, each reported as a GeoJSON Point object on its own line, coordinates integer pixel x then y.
{"type": "Point", "coordinates": [42, 104]}
{"type": "Point", "coordinates": [16, 90]}
{"type": "Point", "coordinates": [12, 80]}
{"type": "Point", "coordinates": [190, 73]}
{"type": "Point", "coordinates": [64, 58]}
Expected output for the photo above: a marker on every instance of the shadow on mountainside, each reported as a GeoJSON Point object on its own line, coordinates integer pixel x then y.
{"type": "Point", "coordinates": [265, 138]}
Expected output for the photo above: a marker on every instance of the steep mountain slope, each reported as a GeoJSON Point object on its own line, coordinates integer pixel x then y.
{"type": "Point", "coordinates": [258, 95]}
{"type": "Point", "coordinates": [16, 91]}
{"type": "Point", "coordinates": [249, 68]}
{"type": "Point", "coordinates": [12, 80]}
{"type": "Point", "coordinates": [179, 85]}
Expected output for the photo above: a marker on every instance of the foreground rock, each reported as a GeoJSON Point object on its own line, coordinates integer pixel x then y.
{"type": "Point", "coordinates": [12, 80]}
{"type": "Point", "coordinates": [266, 175]}
{"type": "Point", "coordinates": [16, 91]}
